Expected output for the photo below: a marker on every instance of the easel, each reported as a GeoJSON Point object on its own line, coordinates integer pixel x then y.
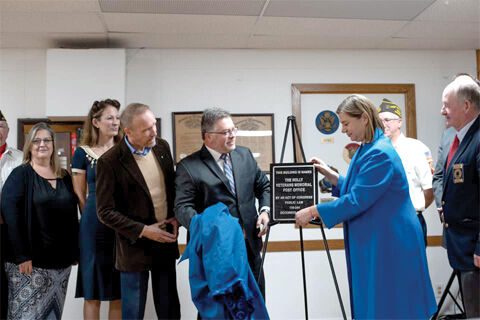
{"type": "Point", "coordinates": [291, 120]}
{"type": "Point", "coordinates": [446, 292]}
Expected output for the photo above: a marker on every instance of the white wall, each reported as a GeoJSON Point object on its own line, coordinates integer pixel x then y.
{"type": "Point", "coordinates": [77, 77]}
{"type": "Point", "coordinates": [22, 86]}
{"type": "Point", "coordinates": [258, 81]}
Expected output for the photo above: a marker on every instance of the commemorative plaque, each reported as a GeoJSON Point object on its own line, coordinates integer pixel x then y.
{"type": "Point", "coordinates": [293, 187]}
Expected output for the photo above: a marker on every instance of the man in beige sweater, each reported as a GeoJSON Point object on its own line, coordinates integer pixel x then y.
{"type": "Point", "coordinates": [135, 196]}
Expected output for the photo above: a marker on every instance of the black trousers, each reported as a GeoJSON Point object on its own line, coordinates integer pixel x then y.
{"type": "Point", "coordinates": [424, 226]}
{"type": "Point", "coordinates": [470, 281]}
{"type": "Point", "coordinates": [255, 261]}
{"type": "Point", "coordinates": [3, 275]}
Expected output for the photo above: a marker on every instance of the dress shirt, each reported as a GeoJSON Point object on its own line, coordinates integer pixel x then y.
{"type": "Point", "coordinates": [132, 149]}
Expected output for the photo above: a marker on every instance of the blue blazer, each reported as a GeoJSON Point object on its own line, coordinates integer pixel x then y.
{"type": "Point", "coordinates": [221, 282]}
{"type": "Point", "coordinates": [385, 251]}
{"type": "Point", "coordinates": [461, 201]}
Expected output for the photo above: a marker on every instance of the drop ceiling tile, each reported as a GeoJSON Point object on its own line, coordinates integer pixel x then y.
{"type": "Point", "coordinates": [50, 6]}
{"type": "Point", "coordinates": [51, 22]}
{"type": "Point", "coordinates": [52, 40]}
{"type": "Point", "coordinates": [348, 9]}
{"type": "Point", "coordinates": [309, 42]}
{"type": "Point", "coordinates": [327, 27]}
{"type": "Point", "coordinates": [452, 10]}
{"type": "Point", "coordinates": [142, 40]}
{"type": "Point", "coordinates": [174, 23]}
{"type": "Point", "coordinates": [195, 7]}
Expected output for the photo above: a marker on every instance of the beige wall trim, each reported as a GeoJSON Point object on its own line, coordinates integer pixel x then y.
{"type": "Point", "coordinates": [316, 245]}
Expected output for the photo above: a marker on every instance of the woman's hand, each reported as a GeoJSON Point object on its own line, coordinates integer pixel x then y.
{"type": "Point", "coordinates": [25, 267]}
{"type": "Point", "coordinates": [304, 216]}
{"type": "Point", "coordinates": [324, 169]}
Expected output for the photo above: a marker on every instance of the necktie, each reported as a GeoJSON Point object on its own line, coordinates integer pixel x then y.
{"type": "Point", "coordinates": [452, 151]}
{"type": "Point", "coordinates": [228, 171]}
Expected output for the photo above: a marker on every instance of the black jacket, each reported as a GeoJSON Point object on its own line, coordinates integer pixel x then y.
{"type": "Point", "coordinates": [21, 221]}
{"type": "Point", "coordinates": [461, 201]}
{"type": "Point", "coordinates": [201, 183]}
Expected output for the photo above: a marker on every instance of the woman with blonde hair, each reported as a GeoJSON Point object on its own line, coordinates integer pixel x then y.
{"type": "Point", "coordinates": [384, 247]}
{"type": "Point", "coordinates": [97, 279]}
{"type": "Point", "coordinates": [39, 208]}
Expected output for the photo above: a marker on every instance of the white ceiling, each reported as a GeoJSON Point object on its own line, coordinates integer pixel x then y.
{"type": "Point", "coordinates": [330, 24]}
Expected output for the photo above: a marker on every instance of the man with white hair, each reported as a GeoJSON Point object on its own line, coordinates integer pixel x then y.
{"type": "Point", "coordinates": [460, 211]}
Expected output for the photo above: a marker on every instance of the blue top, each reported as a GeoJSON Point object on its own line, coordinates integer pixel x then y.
{"type": "Point", "coordinates": [221, 282]}
{"type": "Point", "coordinates": [385, 251]}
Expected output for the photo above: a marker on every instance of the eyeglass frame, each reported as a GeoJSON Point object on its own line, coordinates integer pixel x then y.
{"type": "Point", "coordinates": [226, 133]}
{"type": "Point", "coordinates": [38, 141]}
{"type": "Point", "coordinates": [387, 120]}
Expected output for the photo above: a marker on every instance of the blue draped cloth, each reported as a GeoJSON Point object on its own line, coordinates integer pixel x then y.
{"type": "Point", "coordinates": [221, 282]}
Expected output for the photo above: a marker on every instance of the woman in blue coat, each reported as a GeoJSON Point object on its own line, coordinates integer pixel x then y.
{"type": "Point", "coordinates": [386, 261]}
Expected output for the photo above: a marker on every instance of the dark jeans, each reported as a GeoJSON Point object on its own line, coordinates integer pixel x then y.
{"type": "Point", "coordinates": [424, 226]}
{"type": "Point", "coordinates": [165, 296]}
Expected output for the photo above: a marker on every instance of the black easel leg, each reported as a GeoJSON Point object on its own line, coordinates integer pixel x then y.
{"type": "Point", "coordinates": [333, 272]}
{"type": "Point", "coordinates": [444, 296]}
{"type": "Point", "coordinates": [265, 244]}
{"type": "Point", "coordinates": [303, 271]}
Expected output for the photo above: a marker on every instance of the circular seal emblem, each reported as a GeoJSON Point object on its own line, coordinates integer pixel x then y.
{"type": "Point", "coordinates": [349, 151]}
{"type": "Point", "coordinates": [327, 122]}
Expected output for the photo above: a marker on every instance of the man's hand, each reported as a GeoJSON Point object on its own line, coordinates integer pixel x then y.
{"type": "Point", "coordinates": [262, 223]}
{"type": "Point", "coordinates": [476, 260]}
{"type": "Point", "coordinates": [153, 232]}
{"type": "Point", "coordinates": [25, 267]}
{"type": "Point", "coordinates": [440, 212]}
{"type": "Point", "coordinates": [174, 222]}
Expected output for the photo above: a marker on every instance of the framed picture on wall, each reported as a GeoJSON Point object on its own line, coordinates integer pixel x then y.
{"type": "Point", "coordinates": [255, 131]}
{"type": "Point", "coordinates": [311, 102]}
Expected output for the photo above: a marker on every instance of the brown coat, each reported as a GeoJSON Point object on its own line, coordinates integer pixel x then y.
{"type": "Point", "coordinates": [125, 205]}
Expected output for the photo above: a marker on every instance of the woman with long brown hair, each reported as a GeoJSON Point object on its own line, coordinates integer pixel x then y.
{"type": "Point", "coordinates": [97, 278]}
{"type": "Point", "coordinates": [39, 208]}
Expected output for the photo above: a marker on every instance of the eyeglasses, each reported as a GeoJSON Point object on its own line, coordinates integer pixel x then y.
{"type": "Point", "coordinates": [37, 142]}
{"type": "Point", "coordinates": [226, 133]}
{"type": "Point", "coordinates": [388, 120]}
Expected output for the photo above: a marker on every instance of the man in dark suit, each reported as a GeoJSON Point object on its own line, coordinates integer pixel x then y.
{"type": "Point", "coordinates": [461, 187]}
{"type": "Point", "coordinates": [135, 196]}
{"type": "Point", "coordinates": [223, 172]}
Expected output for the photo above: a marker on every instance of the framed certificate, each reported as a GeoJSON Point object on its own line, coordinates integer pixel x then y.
{"type": "Point", "coordinates": [255, 131]}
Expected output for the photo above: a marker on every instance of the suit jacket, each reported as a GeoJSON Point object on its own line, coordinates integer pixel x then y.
{"type": "Point", "coordinates": [201, 183]}
{"type": "Point", "coordinates": [125, 205]}
{"type": "Point", "coordinates": [461, 201]}
{"type": "Point", "coordinates": [445, 143]}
